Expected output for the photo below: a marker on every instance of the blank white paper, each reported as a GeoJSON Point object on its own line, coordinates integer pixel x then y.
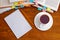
{"type": "Point", "coordinates": [41, 1]}
{"type": "Point", "coordinates": [4, 10]}
{"type": "Point", "coordinates": [13, 1]}
{"type": "Point", "coordinates": [5, 3]}
{"type": "Point", "coordinates": [18, 23]}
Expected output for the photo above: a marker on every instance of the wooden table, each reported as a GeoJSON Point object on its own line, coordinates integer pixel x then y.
{"type": "Point", "coordinates": [34, 34]}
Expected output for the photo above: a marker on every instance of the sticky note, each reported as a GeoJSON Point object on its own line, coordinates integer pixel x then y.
{"type": "Point", "coordinates": [15, 3]}
{"type": "Point", "coordinates": [44, 7]}
{"type": "Point", "coordinates": [39, 8]}
{"type": "Point", "coordinates": [13, 7]}
{"type": "Point", "coordinates": [31, 0]}
{"type": "Point", "coordinates": [21, 6]}
{"type": "Point", "coordinates": [16, 7]}
{"type": "Point", "coordinates": [48, 9]}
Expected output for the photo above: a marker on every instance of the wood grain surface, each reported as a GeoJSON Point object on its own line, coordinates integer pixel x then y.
{"type": "Point", "coordinates": [35, 34]}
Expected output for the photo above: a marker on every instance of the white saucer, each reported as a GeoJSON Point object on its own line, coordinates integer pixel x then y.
{"type": "Point", "coordinates": [40, 26]}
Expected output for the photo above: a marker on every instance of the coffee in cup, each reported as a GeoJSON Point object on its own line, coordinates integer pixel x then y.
{"type": "Point", "coordinates": [44, 19]}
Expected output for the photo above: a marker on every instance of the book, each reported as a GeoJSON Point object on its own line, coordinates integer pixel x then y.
{"type": "Point", "coordinates": [53, 4]}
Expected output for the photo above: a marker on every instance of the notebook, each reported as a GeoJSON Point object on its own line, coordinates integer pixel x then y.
{"type": "Point", "coordinates": [9, 3]}
{"type": "Point", "coordinates": [4, 3]}
{"type": "Point", "coordinates": [53, 4]}
{"type": "Point", "coordinates": [13, 1]}
{"type": "Point", "coordinates": [4, 10]}
{"type": "Point", "coordinates": [18, 23]}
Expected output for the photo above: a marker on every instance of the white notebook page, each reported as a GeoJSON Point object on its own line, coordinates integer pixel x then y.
{"type": "Point", "coordinates": [53, 4]}
{"type": "Point", "coordinates": [18, 23]}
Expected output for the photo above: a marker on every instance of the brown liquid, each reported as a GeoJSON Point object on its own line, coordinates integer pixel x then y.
{"type": "Point", "coordinates": [44, 19]}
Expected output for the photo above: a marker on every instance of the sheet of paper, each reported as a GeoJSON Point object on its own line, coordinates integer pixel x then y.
{"type": "Point", "coordinates": [16, 0]}
{"type": "Point", "coordinates": [13, 1]}
{"type": "Point", "coordinates": [53, 4]}
{"type": "Point", "coordinates": [18, 23]}
{"type": "Point", "coordinates": [4, 3]}
{"type": "Point", "coordinates": [41, 1]}
{"type": "Point", "coordinates": [4, 10]}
